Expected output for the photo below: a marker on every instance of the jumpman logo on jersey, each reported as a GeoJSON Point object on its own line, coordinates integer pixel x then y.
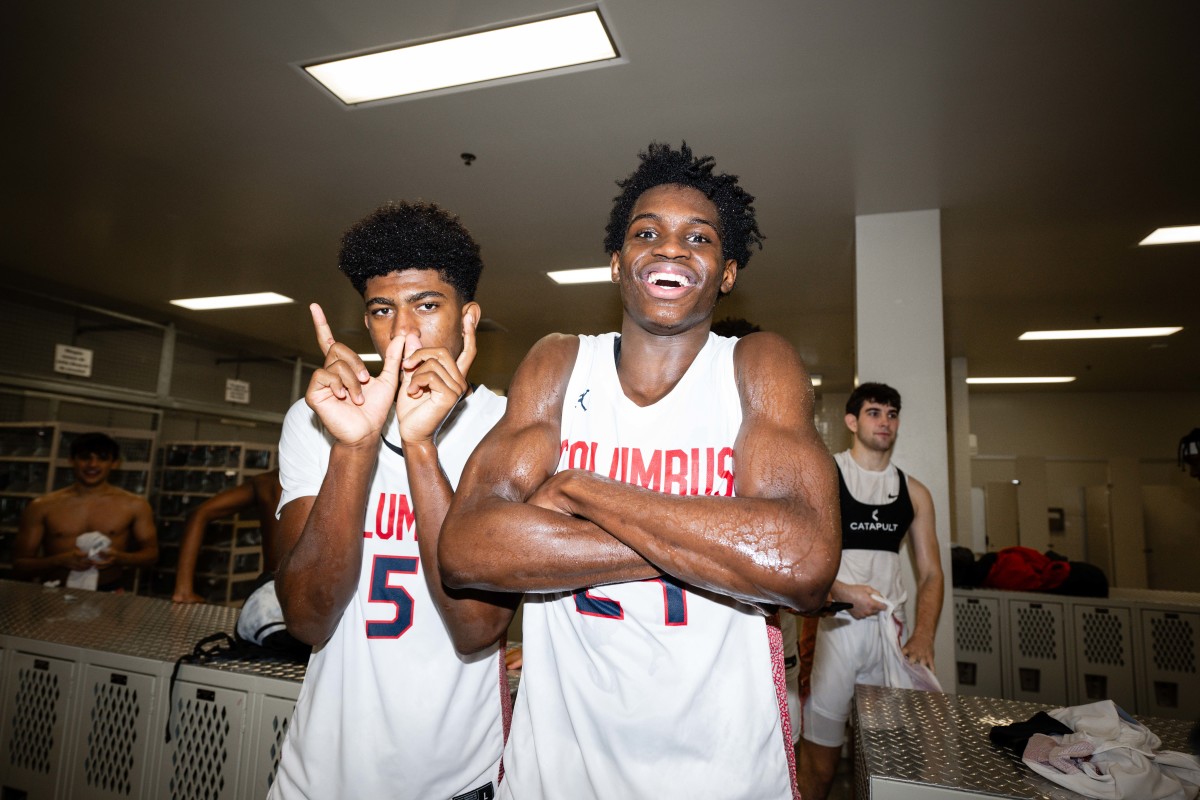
{"type": "Point", "coordinates": [579, 402]}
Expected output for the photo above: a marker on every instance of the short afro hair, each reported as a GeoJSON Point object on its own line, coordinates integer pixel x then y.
{"type": "Point", "coordinates": [400, 236]}
{"type": "Point", "coordinates": [734, 327]}
{"type": "Point", "coordinates": [662, 165]}
{"type": "Point", "coordinates": [97, 444]}
{"type": "Point", "coordinates": [873, 392]}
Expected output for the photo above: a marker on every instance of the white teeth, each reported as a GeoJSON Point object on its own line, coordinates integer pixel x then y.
{"type": "Point", "coordinates": [671, 279]}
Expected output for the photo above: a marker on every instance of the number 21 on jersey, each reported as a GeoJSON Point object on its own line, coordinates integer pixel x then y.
{"type": "Point", "coordinates": [674, 604]}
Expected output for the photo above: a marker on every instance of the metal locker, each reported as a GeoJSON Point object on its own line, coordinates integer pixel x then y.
{"type": "Point", "coordinates": [267, 737]}
{"type": "Point", "coordinates": [1104, 656]}
{"type": "Point", "coordinates": [111, 753]}
{"type": "Point", "coordinates": [37, 712]}
{"type": "Point", "coordinates": [204, 757]}
{"type": "Point", "coordinates": [977, 646]}
{"type": "Point", "coordinates": [1037, 649]}
{"type": "Point", "coordinates": [1170, 654]}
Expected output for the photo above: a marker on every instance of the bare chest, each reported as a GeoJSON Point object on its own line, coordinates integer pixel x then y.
{"type": "Point", "coordinates": [109, 515]}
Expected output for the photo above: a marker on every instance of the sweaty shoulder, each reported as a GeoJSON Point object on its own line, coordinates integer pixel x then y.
{"type": "Point", "coordinates": [766, 362]}
{"type": "Point", "coordinates": [540, 380]}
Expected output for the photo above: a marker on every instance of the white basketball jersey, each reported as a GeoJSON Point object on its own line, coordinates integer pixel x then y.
{"type": "Point", "coordinates": [387, 707]}
{"type": "Point", "coordinates": [652, 689]}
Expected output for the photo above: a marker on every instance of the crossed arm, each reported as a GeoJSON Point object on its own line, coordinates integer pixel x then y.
{"type": "Point", "coordinates": [514, 525]}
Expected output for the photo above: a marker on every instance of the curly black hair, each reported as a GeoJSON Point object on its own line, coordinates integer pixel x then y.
{"type": "Point", "coordinates": [400, 236]}
{"type": "Point", "coordinates": [735, 327]}
{"type": "Point", "coordinates": [662, 165]}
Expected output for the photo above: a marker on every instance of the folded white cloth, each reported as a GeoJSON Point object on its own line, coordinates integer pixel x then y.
{"type": "Point", "coordinates": [1125, 761]}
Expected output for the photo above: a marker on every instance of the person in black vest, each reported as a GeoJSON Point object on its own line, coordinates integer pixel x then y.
{"type": "Point", "coordinates": [880, 504]}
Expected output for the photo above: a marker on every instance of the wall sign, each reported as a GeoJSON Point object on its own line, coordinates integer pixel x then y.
{"type": "Point", "coordinates": [73, 360]}
{"type": "Point", "coordinates": [237, 391]}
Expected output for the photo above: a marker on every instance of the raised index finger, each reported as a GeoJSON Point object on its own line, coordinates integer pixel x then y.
{"type": "Point", "coordinates": [325, 338]}
{"type": "Point", "coordinates": [467, 356]}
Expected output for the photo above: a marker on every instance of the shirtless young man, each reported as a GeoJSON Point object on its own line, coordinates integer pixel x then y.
{"type": "Point", "coordinates": [52, 523]}
{"type": "Point", "coordinates": [658, 492]}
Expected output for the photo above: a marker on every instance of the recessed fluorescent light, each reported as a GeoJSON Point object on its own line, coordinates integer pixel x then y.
{"type": "Point", "coordinates": [500, 53]}
{"type": "Point", "coordinates": [1020, 380]}
{"type": "Point", "coordinates": [370, 356]}
{"type": "Point", "coordinates": [232, 301]}
{"type": "Point", "coordinates": [816, 379]}
{"type": "Point", "coordinates": [1099, 333]}
{"type": "Point", "coordinates": [586, 275]}
{"type": "Point", "coordinates": [1176, 235]}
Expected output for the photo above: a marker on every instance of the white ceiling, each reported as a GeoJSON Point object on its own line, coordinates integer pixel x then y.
{"type": "Point", "coordinates": [154, 150]}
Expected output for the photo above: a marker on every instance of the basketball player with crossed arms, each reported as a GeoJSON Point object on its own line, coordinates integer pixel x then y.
{"type": "Point", "coordinates": [388, 708]}
{"type": "Point", "coordinates": [658, 492]}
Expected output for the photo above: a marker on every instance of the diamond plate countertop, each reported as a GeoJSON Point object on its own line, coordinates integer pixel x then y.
{"type": "Point", "coordinates": [942, 740]}
{"type": "Point", "coordinates": [126, 625]}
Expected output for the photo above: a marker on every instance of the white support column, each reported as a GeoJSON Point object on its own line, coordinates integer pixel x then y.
{"type": "Point", "coordinates": [961, 532]}
{"type": "Point", "coordinates": [899, 342]}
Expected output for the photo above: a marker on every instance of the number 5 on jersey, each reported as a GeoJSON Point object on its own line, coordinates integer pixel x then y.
{"type": "Point", "coordinates": [382, 568]}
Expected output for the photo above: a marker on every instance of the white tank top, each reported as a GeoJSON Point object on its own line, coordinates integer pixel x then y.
{"type": "Point", "coordinates": [649, 689]}
{"type": "Point", "coordinates": [878, 568]}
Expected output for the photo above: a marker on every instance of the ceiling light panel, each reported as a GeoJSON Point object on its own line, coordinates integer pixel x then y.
{"type": "Point", "coordinates": [472, 58]}
{"type": "Point", "coordinates": [586, 275]}
{"type": "Point", "coordinates": [987, 381]}
{"type": "Point", "coordinates": [1099, 333]}
{"type": "Point", "coordinates": [1176, 235]}
{"type": "Point", "coordinates": [232, 301]}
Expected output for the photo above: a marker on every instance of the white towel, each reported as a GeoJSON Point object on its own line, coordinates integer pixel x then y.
{"type": "Point", "coordinates": [898, 671]}
{"type": "Point", "coordinates": [95, 544]}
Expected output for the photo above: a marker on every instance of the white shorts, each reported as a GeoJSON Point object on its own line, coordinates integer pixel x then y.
{"type": "Point", "coordinates": [847, 652]}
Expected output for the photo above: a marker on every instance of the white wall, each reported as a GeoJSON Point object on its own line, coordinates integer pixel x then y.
{"type": "Point", "coordinates": [1078, 434]}
{"type": "Point", "coordinates": [1144, 425]}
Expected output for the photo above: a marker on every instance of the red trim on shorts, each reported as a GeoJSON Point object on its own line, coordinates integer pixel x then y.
{"type": "Point", "coordinates": [779, 672]}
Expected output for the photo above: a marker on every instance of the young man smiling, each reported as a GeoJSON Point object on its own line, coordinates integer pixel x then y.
{"type": "Point", "coordinates": [879, 505]}
{"type": "Point", "coordinates": [659, 492]}
{"type": "Point", "coordinates": [53, 523]}
{"type": "Point", "coordinates": [389, 706]}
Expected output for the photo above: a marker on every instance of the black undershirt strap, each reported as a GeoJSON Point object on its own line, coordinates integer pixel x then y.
{"type": "Point", "coordinates": [617, 350]}
{"type": "Point", "coordinates": [400, 450]}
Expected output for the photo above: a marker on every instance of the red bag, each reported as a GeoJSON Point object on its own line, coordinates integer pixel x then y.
{"type": "Point", "coordinates": [1024, 569]}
